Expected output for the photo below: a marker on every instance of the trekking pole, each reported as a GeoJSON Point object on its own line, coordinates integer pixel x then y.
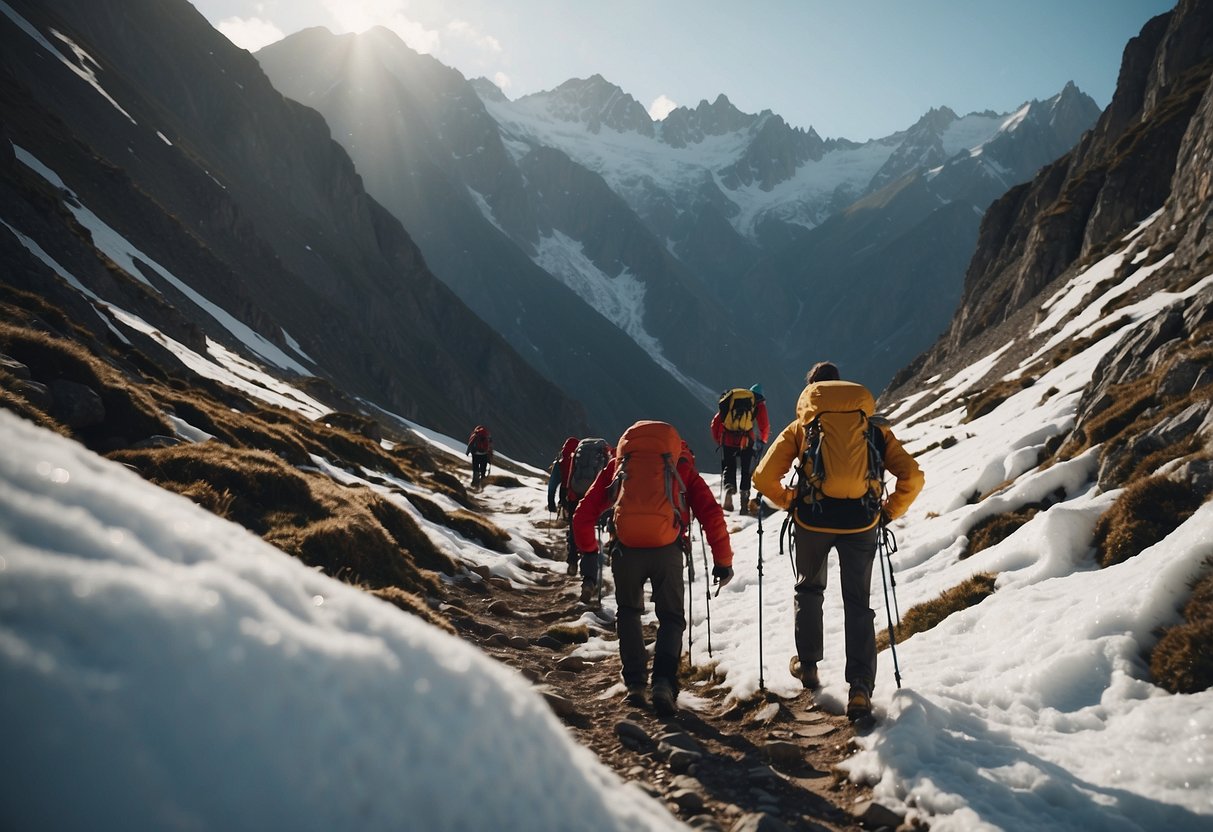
{"type": "Point", "coordinates": [761, 681]}
{"type": "Point", "coordinates": [707, 587]}
{"type": "Point", "coordinates": [880, 542]}
{"type": "Point", "coordinates": [598, 558]}
{"type": "Point", "coordinates": [889, 544]}
{"type": "Point", "coordinates": [690, 605]}
{"type": "Point", "coordinates": [786, 531]}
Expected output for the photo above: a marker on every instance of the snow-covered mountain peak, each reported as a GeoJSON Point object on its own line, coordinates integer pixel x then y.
{"type": "Point", "coordinates": [594, 102]}
{"type": "Point", "coordinates": [487, 90]}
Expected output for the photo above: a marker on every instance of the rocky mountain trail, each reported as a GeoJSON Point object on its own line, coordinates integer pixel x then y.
{"type": "Point", "coordinates": [718, 764]}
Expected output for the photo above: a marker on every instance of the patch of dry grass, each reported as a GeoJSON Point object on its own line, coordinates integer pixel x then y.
{"type": "Point", "coordinates": [409, 602]}
{"type": "Point", "coordinates": [979, 404]}
{"type": "Point", "coordinates": [350, 533]}
{"type": "Point", "coordinates": [569, 633]}
{"type": "Point", "coordinates": [12, 399]}
{"type": "Point", "coordinates": [130, 414]}
{"type": "Point", "coordinates": [924, 616]}
{"type": "Point", "coordinates": [469, 525]}
{"type": "Point", "coordinates": [1181, 661]}
{"type": "Point", "coordinates": [268, 492]}
{"type": "Point", "coordinates": [1142, 515]}
{"type": "Point", "coordinates": [994, 529]}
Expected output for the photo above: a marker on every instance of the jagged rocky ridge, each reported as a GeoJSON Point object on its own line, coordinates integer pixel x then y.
{"type": "Point", "coordinates": [791, 231]}
{"type": "Point", "coordinates": [245, 200]}
{"type": "Point", "coordinates": [1135, 198]}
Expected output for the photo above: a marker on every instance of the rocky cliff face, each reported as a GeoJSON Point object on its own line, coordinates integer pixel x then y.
{"type": "Point", "coordinates": [182, 147]}
{"type": "Point", "coordinates": [1120, 173]}
{"type": "Point", "coordinates": [1120, 223]}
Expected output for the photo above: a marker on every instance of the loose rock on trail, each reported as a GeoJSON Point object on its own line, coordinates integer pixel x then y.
{"type": "Point", "coordinates": [764, 764]}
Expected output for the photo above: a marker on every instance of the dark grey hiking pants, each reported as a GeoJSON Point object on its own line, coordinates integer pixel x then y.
{"type": "Point", "coordinates": [856, 553]}
{"type": "Point", "coordinates": [731, 459]}
{"type": "Point", "coordinates": [663, 568]}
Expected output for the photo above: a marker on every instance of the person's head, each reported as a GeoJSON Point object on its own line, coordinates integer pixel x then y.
{"type": "Point", "coordinates": [687, 455]}
{"type": "Point", "coordinates": [822, 371]}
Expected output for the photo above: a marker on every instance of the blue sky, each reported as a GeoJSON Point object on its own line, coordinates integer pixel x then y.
{"type": "Point", "coordinates": [859, 69]}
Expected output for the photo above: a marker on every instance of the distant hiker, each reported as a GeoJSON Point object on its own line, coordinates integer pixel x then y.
{"type": "Point", "coordinates": [480, 446]}
{"type": "Point", "coordinates": [558, 472]}
{"type": "Point", "coordinates": [652, 488]}
{"type": "Point", "coordinates": [589, 457]}
{"type": "Point", "coordinates": [739, 425]}
{"type": "Point", "coordinates": [837, 500]}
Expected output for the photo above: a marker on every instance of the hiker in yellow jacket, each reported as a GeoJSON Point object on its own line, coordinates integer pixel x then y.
{"type": "Point", "coordinates": [837, 501]}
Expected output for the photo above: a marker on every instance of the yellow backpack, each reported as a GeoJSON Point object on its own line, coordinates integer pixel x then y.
{"type": "Point", "coordinates": [737, 410]}
{"type": "Point", "coordinates": [841, 474]}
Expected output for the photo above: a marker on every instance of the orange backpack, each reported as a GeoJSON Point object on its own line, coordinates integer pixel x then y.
{"type": "Point", "coordinates": [650, 497]}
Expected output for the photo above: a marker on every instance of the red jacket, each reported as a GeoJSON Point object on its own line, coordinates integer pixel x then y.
{"type": "Point", "coordinates": [700, 501]}
{"type": "Point", "coordinates": [734, 440]}
{"type": "Point", "coordinates": [565, 460]}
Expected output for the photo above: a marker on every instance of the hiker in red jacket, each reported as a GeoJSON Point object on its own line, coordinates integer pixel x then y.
{"type": "Point", "coordinates": [480, 447]}
{"type": "Point", "coordinates": [558, 496]}
{"type": "Point", "coordinates": [661, 526]}
{"type": "Point", "coordinates": [740, 426]}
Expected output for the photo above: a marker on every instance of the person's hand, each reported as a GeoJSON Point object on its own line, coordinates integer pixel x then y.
{"type": "Point", "coordinates": [722, 574]}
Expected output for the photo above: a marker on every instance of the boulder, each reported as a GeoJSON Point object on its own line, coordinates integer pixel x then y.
{"type": "Point", "coordinates": [75, 405]}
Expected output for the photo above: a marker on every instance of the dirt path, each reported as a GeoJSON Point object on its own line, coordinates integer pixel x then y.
{"type": "Point", "coordinates": [766, 764]}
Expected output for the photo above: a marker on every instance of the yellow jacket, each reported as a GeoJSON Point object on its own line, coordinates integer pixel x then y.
{"type": "Point", "coordinates": [788, 447]}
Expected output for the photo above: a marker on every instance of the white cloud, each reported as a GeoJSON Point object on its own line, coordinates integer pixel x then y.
{"type": "Point", "coordinates": [250, 33]}
{"type": "Point", "coordinates": [502, 80]}
{"type": "Point", "coordinates": [360, 15]}
{"type": "Point", "coordinates": [661, 107]}
{"type": "Point", "coordinates": [468, 32]}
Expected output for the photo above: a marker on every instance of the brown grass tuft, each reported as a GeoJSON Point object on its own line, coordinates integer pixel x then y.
{"type": "Point", "coordinates": [1182, 662]}
{"type": "Point", "coordinates": [569, 633]}
{"type": "Point", "coordinates": [11, 399]}
{"type": "Point", "coordinates": [922, 617]}
{"type": "Point", "coordinates": [979, 404]}
{"type": "Point", "coordinates": [269, 493]}
{"type": "Point", "coordinates": [469, 525]}
{"type": "Point", "coordinates": [130, 414]}
{"type": "Point", "coordinates": [350, 533]}
{"type": "Point", "coordinates": [408, 535]}
{"type": "Point", "coordinates": [1142, 515]}
{"type": "Point", "coordinates": [992, 530]}
{"type": "Point", "coordinates": [503, 481]}
{"type": "Point", "coordinates": [409, 602]}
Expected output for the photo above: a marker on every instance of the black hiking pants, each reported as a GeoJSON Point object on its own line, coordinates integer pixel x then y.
{"type": "Point", "coordinates": [732, 459]}
{"type": "Point", "coordinates": [480, 466]}
{"type": "Point", "coordinates": [856, 554]}
{"type": "Point", "coordinates": [662, 568]}
{"type": "Point", "coordinates": [571, 552]}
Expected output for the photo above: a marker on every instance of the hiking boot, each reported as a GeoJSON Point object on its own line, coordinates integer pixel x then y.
{"type": "Point", "coordinates": [635, 696]}
{"type": "Point", "coordinates": [728, 499]}
{"type": "Point", "coordinates": [744, 508]}
{"type": "Point", "coordinates": [806, 673]}
{"type": "Point", "coordinates": [589, 592]}
{"type": "Point", "coordinates": [664, 698]}
{"type": "Point", "coordinates": [859, 705]}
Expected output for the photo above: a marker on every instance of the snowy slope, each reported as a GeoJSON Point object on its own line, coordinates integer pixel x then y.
{"type": "Point", "coordinates": [164, 669]}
